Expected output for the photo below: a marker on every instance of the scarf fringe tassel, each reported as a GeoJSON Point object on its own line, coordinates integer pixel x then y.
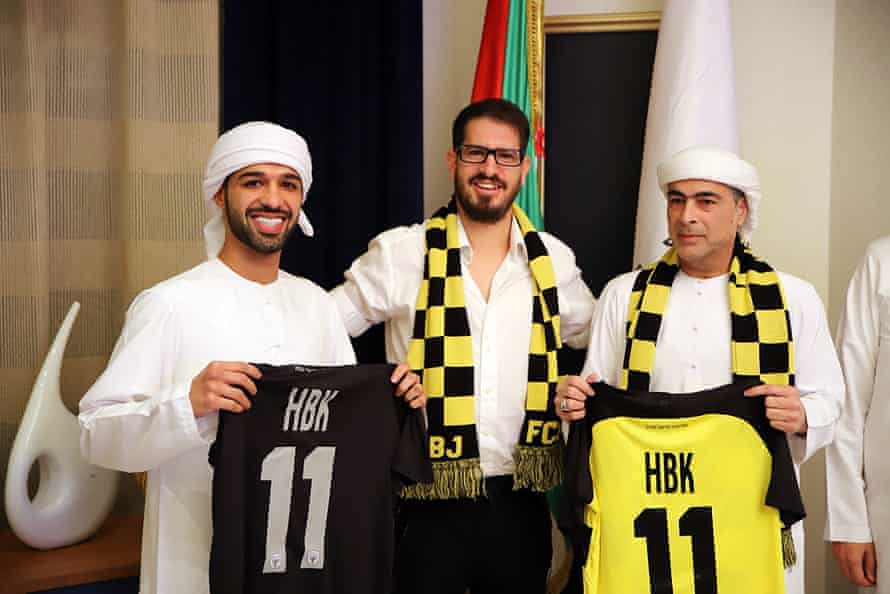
{"type": "Point", "coordinates": [789, 554]}
{"type": "Point", "coordinates": [538, 468]}
{"type": "Point", "coordinates": [452, 479]}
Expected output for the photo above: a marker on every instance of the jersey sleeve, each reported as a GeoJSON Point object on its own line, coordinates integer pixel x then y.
{"type": "Point", "coordinates": [578, 483]}
{"type": "Point", "coordinates": [228, 456]}
{"type": "Point", "coordinates": [783, 492]}
{"type": "Point", "coordinates": [411, 463]}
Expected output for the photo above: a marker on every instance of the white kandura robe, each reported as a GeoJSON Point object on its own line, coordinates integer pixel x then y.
{"type": "Point", "coordinates": [138, 417]}
{"type": "Point", "coordinates": [858, 462]}
{"type": "Point", "coordinates": [693, 353]}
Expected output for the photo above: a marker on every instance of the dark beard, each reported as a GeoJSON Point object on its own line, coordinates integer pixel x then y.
{"type": "Point", "coordinates": [481, 214]}
{"type": "Point", "coordinates": [250, 237]}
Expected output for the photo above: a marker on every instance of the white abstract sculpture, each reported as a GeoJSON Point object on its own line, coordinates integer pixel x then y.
{"type": "Point", "coordinates": [74, 497]}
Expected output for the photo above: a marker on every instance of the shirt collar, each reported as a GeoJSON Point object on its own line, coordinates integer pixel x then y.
{"type": "Point", "coordinates": [227, 272]}
{"type": "Point", "coordinates": [517, 243]}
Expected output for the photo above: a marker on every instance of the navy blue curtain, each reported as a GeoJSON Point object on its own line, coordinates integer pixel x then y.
{"type": "Point", "coordinates": [348, 77]}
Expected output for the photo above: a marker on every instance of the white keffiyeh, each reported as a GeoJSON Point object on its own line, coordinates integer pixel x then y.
{"type": "Point", "coordinates": [718, 165]}
{"type": "Point", "coordinates": [249, 144]}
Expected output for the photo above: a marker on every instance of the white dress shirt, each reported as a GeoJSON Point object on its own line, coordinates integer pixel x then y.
{"type": "Point", "coordinates": [693, 353]}
{"type": "Point", "coordinates": [138, 417]}
{"type": "Point", "coordinates": [382, 285]}
{"type": "Point", "coordinates": [858, 464]}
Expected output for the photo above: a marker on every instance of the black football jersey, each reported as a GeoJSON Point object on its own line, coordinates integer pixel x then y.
{"type": "Point", "coordinates": [306, 481]}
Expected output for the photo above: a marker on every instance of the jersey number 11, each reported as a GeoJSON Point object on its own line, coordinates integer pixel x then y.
{"type": "Point", "coordinates": [278, 469]}
{"type": "Point", "coordinates": [697, 523]}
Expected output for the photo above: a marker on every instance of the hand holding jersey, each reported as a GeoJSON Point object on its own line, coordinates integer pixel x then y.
{"type": "Point", "coordinates": [571, 393]}
{"type": "Point", "coordinates": [319, 461]}
{"type": "Point", "coordinates": [682, 493]}
{"type": "Point", "coordinates": [408, 386]}
{"type": "Point", "coordinates": [784, 408]}
{"type": "Point", "coordinates": [228, 385]}
{"type": "Point", "coordinates": [223, 385]}
{"type": "Point", "coordinates": [783, 405]}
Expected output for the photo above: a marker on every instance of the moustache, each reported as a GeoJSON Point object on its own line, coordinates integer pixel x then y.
{"type": "Point", "coordinates": [689, 231]}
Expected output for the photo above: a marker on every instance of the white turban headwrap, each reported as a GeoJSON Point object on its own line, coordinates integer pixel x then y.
{"type": "Point", "coordinates": [718, 165]}
{"type": "Point", "coordinates": [245, 145]}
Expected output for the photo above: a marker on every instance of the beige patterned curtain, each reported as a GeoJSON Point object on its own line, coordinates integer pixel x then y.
{"type": "Point", "coordinates": [108, 109]}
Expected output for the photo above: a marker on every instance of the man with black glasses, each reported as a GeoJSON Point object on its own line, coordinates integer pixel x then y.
{"type": "Point", "coordinates": [480, 302]}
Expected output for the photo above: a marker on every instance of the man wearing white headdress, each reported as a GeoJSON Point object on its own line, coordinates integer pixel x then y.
{"type": "Point", "coordinates": [182, 353]}
{"type": "Point", "coordinates": [713, 198]}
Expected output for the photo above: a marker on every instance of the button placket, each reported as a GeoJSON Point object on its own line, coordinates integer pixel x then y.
{"type": "Point", "coordinates": [692, 370]}
{"type": "Point", "coordinates": [273, 326]}
{"type": "Point", "coordinates": [488, 366]}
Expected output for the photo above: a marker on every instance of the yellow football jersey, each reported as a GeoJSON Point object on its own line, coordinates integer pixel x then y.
{"type": "Point", "coordinates": [684, 494]}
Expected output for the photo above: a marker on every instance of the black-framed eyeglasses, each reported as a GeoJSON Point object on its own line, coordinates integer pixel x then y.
{"type": "Point", "coordinates": [475, 154]}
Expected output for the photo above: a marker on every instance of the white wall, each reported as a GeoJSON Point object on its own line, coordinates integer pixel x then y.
{"type": "Point", "coordinates": [860, 209]}
{"type": "Point", "coordinates": [784, 73]}
{"type": "Point", "coordinates": [784, 70]}
{"type": "Point", "coordinates": [563, 7]}
{"type": "Point", "coordinates": [451, 35]}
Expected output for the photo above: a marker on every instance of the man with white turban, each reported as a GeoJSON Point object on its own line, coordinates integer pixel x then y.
{"type": "Point", "coordinates": [857, 465]}
{"type": "Point", "coordinates": [182, 353]}
{"type": "Point", "coordinates": [712, 202]}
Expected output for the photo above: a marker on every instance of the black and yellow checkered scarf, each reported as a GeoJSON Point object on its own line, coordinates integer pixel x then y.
{"type": "Point", "coordinates": [762, 345]}
{"type": "Point", "coordinates": [441, 350]}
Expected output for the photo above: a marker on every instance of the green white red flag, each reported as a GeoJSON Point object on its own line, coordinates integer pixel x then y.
{"type": "Point", "coordinates": [509, 67]}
